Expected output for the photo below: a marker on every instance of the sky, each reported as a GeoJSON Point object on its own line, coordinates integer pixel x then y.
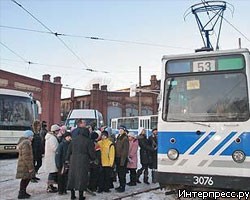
{"type": "Point", "coordinates": [133, 33]}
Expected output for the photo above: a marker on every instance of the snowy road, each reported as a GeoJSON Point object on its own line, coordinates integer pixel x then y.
{"type": "Point", "coordinates": [9, 187]}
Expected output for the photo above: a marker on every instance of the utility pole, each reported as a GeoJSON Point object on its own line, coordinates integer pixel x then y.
{"type": "Point", "coordinates": [139, 96]}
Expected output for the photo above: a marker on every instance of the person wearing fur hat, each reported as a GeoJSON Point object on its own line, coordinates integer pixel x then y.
{"type": "Point", "coordinates": [95, 166]}
{"type": "Point", "coordinates": [60, 159]}
{"type": "Point", "coordinates": [37, 148]}
{"type": "Point", "coordinates": [153, 141]}
{"type": "Point", "coordinates": [80, 152]}
{"type": "Point", "coordinates": [132, 158]}
{"type": "Point", "coordinates": [51, 144]}
{"type": "Point", "coordinates": [25, 166]}
{"type": "Point", "coordinates": [60, 136]}
{"type": "Point", "coordinates": [121, 156]}
{"type": "Point", "coordinates": [146, 151]}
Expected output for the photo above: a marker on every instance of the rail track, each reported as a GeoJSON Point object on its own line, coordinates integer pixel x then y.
{"type": "Point", "coordinates": [137, 193]}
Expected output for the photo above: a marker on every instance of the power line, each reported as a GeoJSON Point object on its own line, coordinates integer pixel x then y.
{"type": "Point", "coordinates": [43, 64]}
{"type": "Point", "coordinates": [232, 24]}
{"type": "Point", "coordinates": [124, 41]}
{"type": "Point", "coordinates": [15, 53]}
{"type": "Point", "coordinates": [96, 38]}
{"type": "Point", "coordinates": [24, 29]}
{"type": "Point", "coordinates": [56, 34]}
{"type": "Point", "coordinates": [187, 12]}
{"type": "Point", "coordinates": [236, 29]}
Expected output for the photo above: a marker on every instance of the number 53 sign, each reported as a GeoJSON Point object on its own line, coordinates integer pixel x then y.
{"type": "Point", "coordinates": [204, 65]}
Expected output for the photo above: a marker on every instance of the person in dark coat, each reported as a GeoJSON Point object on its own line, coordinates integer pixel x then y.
{"type": "Point", "coordinates": [25, 166]}
{"type": "Point", "coordinates": [145, 155]}
{"type": "Point", "coordinates": [81, 123]}
{"type": "Point", "coordinates": [80, 152]}
{"type": "Point", "coordinates": [43, 133]}
{"type": "Point", "coordinates": [60, 158]}
{"type": "Point", "coordinates": [37, 148]}
{"type": "Point", "coordinates": [121, 157]}
{"type": "Point", "coordinates": [95, 166]}
{"type": "Point", "coordinates": [153, 143]}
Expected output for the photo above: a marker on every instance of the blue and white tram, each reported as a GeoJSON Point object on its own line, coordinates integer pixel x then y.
{"type": "Point", "coordinates": [133, 124]}
{"type": "Point", "coordinates": [203, 123]}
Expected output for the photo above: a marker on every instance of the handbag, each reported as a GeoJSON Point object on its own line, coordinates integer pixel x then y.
{"type": "Point", "coordinates": [65, 169]}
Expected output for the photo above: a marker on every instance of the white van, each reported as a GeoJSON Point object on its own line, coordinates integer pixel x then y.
{"type": "Point", "coordinates": [91, 117]}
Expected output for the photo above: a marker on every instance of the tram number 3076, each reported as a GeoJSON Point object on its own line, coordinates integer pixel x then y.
{"type": "Point", "coordinates": [203, 180]}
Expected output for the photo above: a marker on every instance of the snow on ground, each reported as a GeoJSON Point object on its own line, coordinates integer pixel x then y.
{"type": "Point", "coordinates": [9, 187]}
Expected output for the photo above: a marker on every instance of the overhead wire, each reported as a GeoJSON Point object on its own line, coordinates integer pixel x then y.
{"type": "Point", "coordinates": [187, 12]}
{"type": "Point", "coordinates": [67, 67]}
{"type": "Point", "coordinates": [233, 25]}
{"type": "Point", "coordinates": [95, 38]}
{"type": "Point", "coordinates": [57, 36]}
{"type": "Point", "coordinates": [22, 58]}
{"type": "Point", "coordinates": [43, 64]}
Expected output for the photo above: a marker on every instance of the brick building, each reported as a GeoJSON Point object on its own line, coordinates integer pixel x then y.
{"type": "Point", "coordinates": [46, 92]}
{"type": "Point", "coordinates": [114, 103]}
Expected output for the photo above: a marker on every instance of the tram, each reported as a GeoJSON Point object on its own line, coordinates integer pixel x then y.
{"type": "Point", "coordinates": [133, 124]}
{"type": "Point", "coordinates": [203, 121]}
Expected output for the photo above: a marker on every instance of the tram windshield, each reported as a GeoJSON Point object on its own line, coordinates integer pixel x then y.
{"type": "Point", "coordinates": [207, 98]}
{"type": "Point", "coordinates": [15, 112]}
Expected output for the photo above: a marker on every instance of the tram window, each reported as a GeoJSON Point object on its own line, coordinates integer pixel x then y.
{"type": "Point", "coordinates": [196, 98]}
{"type": "Point", "coordinates": [153, 122]}
{"type": "Point", "coordinates": [113, 125]}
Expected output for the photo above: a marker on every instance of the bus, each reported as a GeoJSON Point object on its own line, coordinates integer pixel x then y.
{"type": "Point", "coordinates": [18, 110]}
{"type": "Point", "coordinates": [148, 122]}
{"type": "Point", "coordinates": [203, 123]}
{"type": "Point", "coordinates": [92, 117]}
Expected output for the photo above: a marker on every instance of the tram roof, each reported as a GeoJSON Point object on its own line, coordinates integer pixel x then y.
{"type": "Point", "coordinates": [202, 53]}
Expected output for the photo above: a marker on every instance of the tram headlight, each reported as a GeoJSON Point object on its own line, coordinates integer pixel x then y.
{"type": "Point", "coordinates": [238, 156]}
{"type": "Point", "coordinates": [173, 154]}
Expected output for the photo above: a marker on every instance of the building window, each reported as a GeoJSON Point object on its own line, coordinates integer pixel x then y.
{"type": "Point", "coordinates": [146, 110]}
{"type": "Point", "coordinates": [131, 110]}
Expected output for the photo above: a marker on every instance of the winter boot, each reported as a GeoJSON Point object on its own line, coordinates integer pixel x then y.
{"type": "Point", "coordinates": [131, 183]}
{"type": "Point", "coordinates": [138, 178]}
{"type": "Point", "coordinates": [154, 180]}
{"type": "Point", "coordinates": [81, 197]}
{"type": "Point", "coordinates": [51, 189]}
{"type": "Point", "coordinates": [26, 194]}
{"type": "Point", "coordinates": [73, 194]}
{"type": "Point", "coordinates": [22, 195]}
{"type": "Point", "coordinates": [145, 180]}
{"type": "Point", "coordinates": [121, 189]}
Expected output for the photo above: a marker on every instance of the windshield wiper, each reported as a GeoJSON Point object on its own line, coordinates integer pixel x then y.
{"type": "Point", "coordinates": [182, 120]}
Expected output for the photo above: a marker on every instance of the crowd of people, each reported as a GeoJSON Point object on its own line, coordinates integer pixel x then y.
{"type": "Point", "coordinates": [84, 159]}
